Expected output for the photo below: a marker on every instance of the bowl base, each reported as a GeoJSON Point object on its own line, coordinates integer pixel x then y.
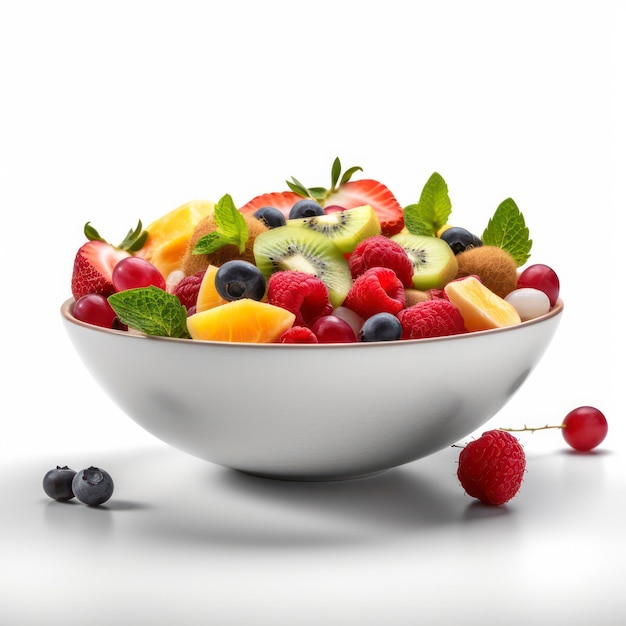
{"type": "Point", "coordinates": [310, 479]}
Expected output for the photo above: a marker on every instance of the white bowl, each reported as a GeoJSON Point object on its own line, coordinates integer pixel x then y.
{"type": "Point", "coordinates": [312, 412]}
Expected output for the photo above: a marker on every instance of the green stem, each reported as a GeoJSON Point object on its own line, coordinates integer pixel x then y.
{"type": "Point", "coordinates": [532, 430]}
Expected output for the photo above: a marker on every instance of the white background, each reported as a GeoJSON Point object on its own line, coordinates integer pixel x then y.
{"type": "Point", "coordinates": [119, 111]}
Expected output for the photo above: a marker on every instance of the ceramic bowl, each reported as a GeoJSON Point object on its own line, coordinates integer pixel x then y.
{"type": "Point", "coordinates": [312, 412]}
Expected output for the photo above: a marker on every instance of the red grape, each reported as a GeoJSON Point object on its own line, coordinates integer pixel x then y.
{"type": "Point", "coordinates": [133, 272]}
{"type": "Point", "coordinates": [94, 308]}
{"type": "Point", "coordinates": [541, 277]}
{"type": "Point", "coordinates": [584, 428]}
{"type": "Point", "coordinates": [332, 329]}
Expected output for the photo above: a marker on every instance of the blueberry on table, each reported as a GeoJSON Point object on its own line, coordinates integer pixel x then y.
{"type": "Point", "coordinates": [92, 486]}
{"type": "Point", "coordinates": [270, 216]}
{"type": "Point", "coordinates": [57, 483]}
{"type": "Point", "coordinates": [305, 208]}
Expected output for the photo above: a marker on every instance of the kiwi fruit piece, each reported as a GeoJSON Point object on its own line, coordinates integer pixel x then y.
{"type": "Point", "coordinates": [193, 263]}
{"type": "Point", "coordinates": [434, 262]}
{"type": "Point", "coordinates": [303, 250]}
{"type": "Point", "coordinates": [345, 228]}
{"type": "Point", "coordinates": [495, 267]}
{"type": "Point", "coordinates": [415, 296]}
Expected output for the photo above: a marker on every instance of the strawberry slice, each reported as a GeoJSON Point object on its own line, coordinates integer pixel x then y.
{"type": "Point", "coordinates": [93, 268]}
{"type": "Point", "coordinates": [95, 260]}
{"type": "Point", "coordinates": [342, 192]}
{"type": "Point", "coordinates": [359, 192]}
{"type": "Point", "coordinates": [281, 200]}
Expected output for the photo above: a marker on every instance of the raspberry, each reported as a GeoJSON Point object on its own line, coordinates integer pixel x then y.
{"type": "Point", "coordinates": [377, 290]}
{"type": "Point", "coordinates": [304, 295]}
{"type": "Point", "coordinates": [298, 334]}
{"type": "Point", "coordinates": [432, 318]}
{"type": "Point", "coordinates": [380, 251]}
{"type": "Point", "coordinates": [187, 289]}
{"type": "Point", "coordinates": [491, 468]}
{"type": "Point", "coordinates": [437, 293]}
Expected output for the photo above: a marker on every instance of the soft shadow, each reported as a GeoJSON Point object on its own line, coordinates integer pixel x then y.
{"type": "Point", "coordinates": [250, 512]}
{"type": "Point", "coordinates": [125, 505]}
{"type": "Point", "coordinates": [479, 511]}
{"type": "Point", "coordinates": [591, 453]}
{"type": "Point", "coordinates": [396, 498]}
{"type": "Point", "coordinates": [72, 515]}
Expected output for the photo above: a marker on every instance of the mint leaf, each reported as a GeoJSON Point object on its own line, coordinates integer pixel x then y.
{"type": "Point", "coordinates": [231, 229]}
{"type": "Point", "coordinates": [507, 230]}
{"type": "Point", "coordinates": [433, 209]}
{"type": "Point", "coordinates": [152, 311]}
{"type": "Point", "coordinates": [211, 243]}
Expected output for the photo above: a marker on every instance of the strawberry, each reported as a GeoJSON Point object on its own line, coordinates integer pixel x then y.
{"type": "Point", "coordinates": [367, 191]}
{"type": "Point", "coordinates": [95, 260]}
{"type": "Point", "coordinates": [491, 468]}
{"type": "Point", "coordinates": [281, 200]}
{"type": "Point", "coordinates": [343, 192]}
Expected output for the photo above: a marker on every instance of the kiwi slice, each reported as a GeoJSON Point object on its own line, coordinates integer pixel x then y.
{"type": "Point", "coordinates": [299, 249]}
{"type": "Point", "coordinates": [434, 262]}
{"type": "Point", "coordinates": [345, 228]}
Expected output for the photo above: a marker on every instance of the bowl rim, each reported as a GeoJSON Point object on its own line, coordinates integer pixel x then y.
{"type": "Point", "coordinates": [67, 306]}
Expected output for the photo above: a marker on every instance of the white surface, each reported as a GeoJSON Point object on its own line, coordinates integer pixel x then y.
{"type": "Point", "coordinates": [124, 111]}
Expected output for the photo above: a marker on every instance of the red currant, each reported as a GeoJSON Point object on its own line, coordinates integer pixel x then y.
{"type": "Point", "coordinates": [541, 277]}
{"type": "Point", "coordinates": [584, 428]}
{"type": "Point", "coordinates": [95, 309]}
{"type": "Point", "coordinates": [133, 272]}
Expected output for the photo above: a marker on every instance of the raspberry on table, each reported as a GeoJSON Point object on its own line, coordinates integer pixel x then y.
{"type": "Point", "coordinates": [433, 318]}
{"type": "Point", "coordinates": [491, 468]}
{"type": "Point", "coordinates": [377, 290]}
{"type": "Point", "coordinates": [380, 251]}
{"type": "Point", "coordinates": [304, 295]}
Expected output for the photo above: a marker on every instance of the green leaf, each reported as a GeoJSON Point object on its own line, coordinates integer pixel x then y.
{"type": "Point", "coordinates": [335, 173]}
{"type": "Point", "coordinates": [152, 311]}
{"type": "Point", "coordinates": [318, 193]}
{"type": "Point", "coordinates": [91, 233]}
{"type": "Point", "coordinates": [135, 239]}
{"type": "Point", "coordinates": [507, 230]}
{"type": "Point", "coordinates": [347, 175]}
{"type": "Point", "coordinates": [433, 209]}
{"type": "Point", "coordinates": [230, 229]}
{"type": "Point", "coordinates": [210, 243]}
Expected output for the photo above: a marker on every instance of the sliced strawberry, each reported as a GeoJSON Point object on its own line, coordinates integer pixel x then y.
{"type": "Point", "coordinates": [281, 200]}
{"type": "Point", "coordinates": [93, 267]}
{"type": "Point", "coordinates": [359, 192]}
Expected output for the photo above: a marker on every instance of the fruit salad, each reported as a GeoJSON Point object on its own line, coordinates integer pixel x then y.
{"type": "Point", "coordinates": [310, 265]}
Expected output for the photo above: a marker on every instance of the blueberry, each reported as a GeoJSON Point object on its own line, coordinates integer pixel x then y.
{"type": "Point", "coordinates": [305, 208]}
{"type": "Point", "coordinates": [271, 217]}
{"type": "Point", "coordinates": [57, 483]}
{"type": "Point", "coordinates": [460, 239]}
{"type": "Point", "coordinates": [240, 279]}
{"type": "Point", "coordinates": [92, 486]}
{"type": "Point", "coordinates": [381, 327]}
